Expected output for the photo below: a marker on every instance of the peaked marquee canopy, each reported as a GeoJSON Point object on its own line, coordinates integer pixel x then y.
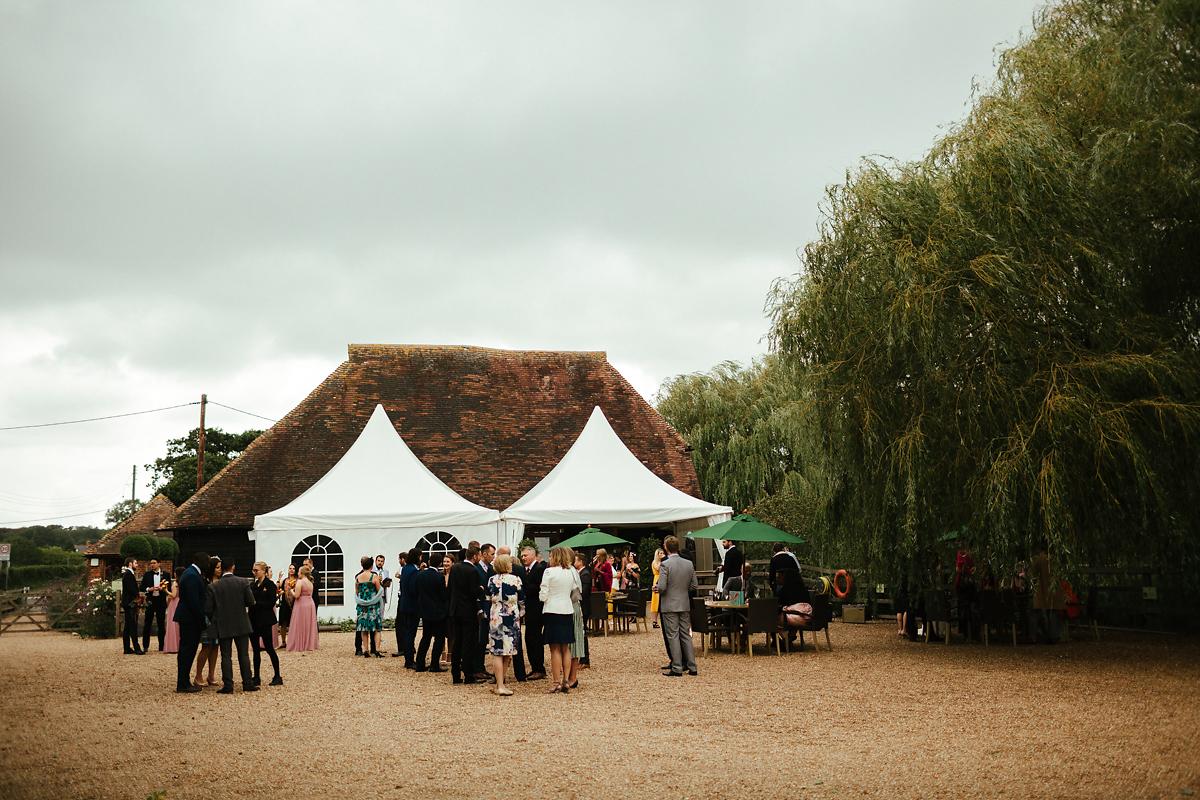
{"type": "Point", "coordinates": [599, 481]}
{"type": "Point", "coordinates": [377, 484]}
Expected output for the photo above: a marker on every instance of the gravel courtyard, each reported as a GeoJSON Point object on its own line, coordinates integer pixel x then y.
{"type": "Point", "coordinates": [876, 717]}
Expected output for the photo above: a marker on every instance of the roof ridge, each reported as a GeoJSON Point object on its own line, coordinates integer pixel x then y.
{"type": "Point", "coordinates": [357, 350]}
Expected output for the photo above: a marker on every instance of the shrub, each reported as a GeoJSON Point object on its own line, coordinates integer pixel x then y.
{"type": "Point", "coordinates": [165, 548]}
{"type": "Point", "coordinates": [139, 547]}
{"type": "Point", "coordinates": [98, 613]}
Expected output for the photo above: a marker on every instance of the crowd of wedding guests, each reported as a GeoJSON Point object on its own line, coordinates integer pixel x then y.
{"type": "Point", "coordinates": [483, 613]}
{"type": "Point", "coordinates": [483, 608]}
{"type": "Point", "coordinates": [205, 610]}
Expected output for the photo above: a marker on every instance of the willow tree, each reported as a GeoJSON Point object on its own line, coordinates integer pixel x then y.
{"type": "Point", "coordinates": [1005, 334]}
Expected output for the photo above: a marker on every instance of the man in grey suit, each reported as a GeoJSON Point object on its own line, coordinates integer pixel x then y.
{"type": "Point", "coordinates": [232, 597]}
{"type": "Point", "coordinates": [676, 582]}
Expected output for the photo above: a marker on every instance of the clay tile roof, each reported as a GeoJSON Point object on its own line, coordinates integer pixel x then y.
{"type": "Point", "coordinates": [146, 520]}
{"type": "Point", "coordinates": [490, 423]}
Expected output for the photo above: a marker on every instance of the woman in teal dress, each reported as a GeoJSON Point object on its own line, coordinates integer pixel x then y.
{"type": "Point", "coordinates": [507, 593]}
{"type": "Point", "coordinates": [369, 598]}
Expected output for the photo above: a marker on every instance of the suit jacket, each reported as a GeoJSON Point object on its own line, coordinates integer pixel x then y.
{"type": "Point", "coordinates": [262, 613]}
{"type": "Point", "coordinates": [485, 572]}
{"type": "Point", "coordinates": [676, 582]}
{"type": "Point", "coordinates": [731, 567]}
{"type": "Point", "coordinates": [533, 587]}
{"type": "Point", "coordinates": [431, 594]}
{"type": "Point", "coordinates": [190, 610]}
{"type": "Point", "coordinates": [408, 590]}
{"type": "Point", "coordinates": [148, 584]}
{"type": "Point", "coordinates": [232, 597]}
{"type": "Point", "coordinates": [466, 592]}
{"type": "Point", "coordinates": [129, 588]}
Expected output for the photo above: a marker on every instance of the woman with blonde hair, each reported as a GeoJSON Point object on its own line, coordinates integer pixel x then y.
{"type": "Point", "coordinates": [507, 595]}
{"type": "Point", "coordinates": [303, 628]}
{"type": "Point", "coordinates": [560, 587]}
{"type": "Point", "coordinates": [659, 555]}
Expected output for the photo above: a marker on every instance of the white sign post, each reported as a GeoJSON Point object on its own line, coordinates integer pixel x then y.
{"type": "Point", "coordinates": [6, 559]}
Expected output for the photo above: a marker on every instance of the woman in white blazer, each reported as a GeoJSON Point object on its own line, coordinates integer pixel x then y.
{"type": "Point", "coordinates": [559, 582]}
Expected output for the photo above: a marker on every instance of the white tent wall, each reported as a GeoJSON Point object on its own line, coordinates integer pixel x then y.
{"type": "Point", "coordinates": [278, 547]}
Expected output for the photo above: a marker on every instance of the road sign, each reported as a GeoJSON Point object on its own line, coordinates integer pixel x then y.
{"type": "Point", "coordinates": [5, 552]}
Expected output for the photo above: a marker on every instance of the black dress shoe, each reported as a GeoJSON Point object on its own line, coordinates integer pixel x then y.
{"type": "Point", "coordinates": [420, 668]}
{"type": "Point", "coordinates": [435, 669]}
{"type": "Point", "coordinates": [693, 672]}
{"type": "Point", "coordinates": [410, 665]}
{"type": "Point", "coordinates": [225, 690]}
{"type": "Point", "coordinates": [456, 679]}
{"type": "Point", "coordinates": [129, 652]}
{"type": "Point", "coordinates": [189, 690]}
{"type": "Point", "coordinates": [251, 688]}
{"type": "Point", "coordinates": [672, 674]}
{"type": "Point", "coordinates": [470, 680]}
{"type": "Point", "coordinates": [276, 681]}
{"type": "Point", "coordinates": [397, 655]}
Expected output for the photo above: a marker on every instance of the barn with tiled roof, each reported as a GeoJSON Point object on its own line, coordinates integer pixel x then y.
{"type": "Point", "coordinates": [105, 555]}
{"type": "Point", "coordinates": [489, 423]}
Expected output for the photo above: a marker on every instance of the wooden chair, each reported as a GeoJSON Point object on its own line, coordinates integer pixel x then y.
{"type": "Point", "coordinates": [627, 611]}
{"type": "Point", "coordinates": [598, 611]}
{"type": "Point", "coordinates": [937, 609]}
{"type": "Point", "coordinates": [996, 608]}
{"type": "Point", "coordinates": [711, 625]}
{"type": "Point", "coordinates": [763, 618]}
{"type": "Point", "coordinates": [821, 616]}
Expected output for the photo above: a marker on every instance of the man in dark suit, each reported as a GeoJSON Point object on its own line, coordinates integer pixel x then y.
{"type": "Point", "coordinates": [129, 597]}
{"type": "Point", "coordinates": [731, 565]}
{"type": "Point", "coordinates": [190, 616]}
{"type": "Point", "coordinates": [408, 612]}
{"type": "Point", "coordinates": [536, 651]}
{"type": "Point", "coordinates": [432, 605]}
{"type": "Point", "coordinates": [230, 600]}
{"type": "Point", "coordinates": [155, 589]}
{"type": "Point", "coordinates": [466, 594]}
{"type": "Point", "coordinates": [483, 566]}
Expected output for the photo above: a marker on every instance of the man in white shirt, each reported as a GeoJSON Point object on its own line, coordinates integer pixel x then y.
{"type": "Point", "coordinates": [155, 590]}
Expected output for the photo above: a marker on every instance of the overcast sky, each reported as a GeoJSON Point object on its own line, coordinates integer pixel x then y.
{"type": "Point", "coordinates": [218, 197]}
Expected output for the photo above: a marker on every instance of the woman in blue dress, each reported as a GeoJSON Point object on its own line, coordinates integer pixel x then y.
{"type": "Point", "coordinates": [507, 594]}
{"type": "Point", "coordinates": [369, 598]}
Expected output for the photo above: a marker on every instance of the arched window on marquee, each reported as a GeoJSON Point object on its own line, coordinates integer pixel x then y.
{"type": "Point", "coordinates": [437, 544]}
{"type": "Point", "coordinates": [326, 555]}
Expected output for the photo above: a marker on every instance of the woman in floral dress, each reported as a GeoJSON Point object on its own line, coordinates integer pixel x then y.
{"type": "Point", "coordinates": [368, 598]}
{"type": "Point", "coordinates": [507, 593]}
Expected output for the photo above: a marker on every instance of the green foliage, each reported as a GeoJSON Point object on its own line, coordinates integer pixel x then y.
{"type": "Point", "coordinates": [52, 535]}
{"type": "Point", "coordinates": [138, 546]}
{"type": "Point", "coordinates": [645, 556]}
{"type": "Point", "coordinates": [526, 542]}
{"type": "Point", "coordinates": [174, 475]}
{"type": "Point", "coordinates": [40, 574]}
{"type": "Point", "coordinates": [122, 511]}
{"type": "Point", "coordinates": [164, 547]}
{"type": "Point", "coordinates": [1005, 333]}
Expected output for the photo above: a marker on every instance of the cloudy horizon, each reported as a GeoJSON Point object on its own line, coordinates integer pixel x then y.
{"type": "Point", "coordinates": [218, 198]}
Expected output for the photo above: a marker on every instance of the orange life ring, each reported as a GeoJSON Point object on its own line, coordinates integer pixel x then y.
{"type": "Point", "coordinates": [838, 591]}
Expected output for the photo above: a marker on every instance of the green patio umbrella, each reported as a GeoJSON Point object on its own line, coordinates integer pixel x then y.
{"type": "Point", "coordinates": [745, 528]}
{"type": "Point", "coordinates": [592, 537]}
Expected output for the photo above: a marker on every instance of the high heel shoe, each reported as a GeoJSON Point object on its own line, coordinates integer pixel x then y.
{"type": "Point", "coordinates": [574, 685]}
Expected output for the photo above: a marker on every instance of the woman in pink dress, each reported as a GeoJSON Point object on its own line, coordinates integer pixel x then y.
{"type": "Point", "coordinates": [302, 632]}
{"type": "Point", "coordinates": [172, 643]}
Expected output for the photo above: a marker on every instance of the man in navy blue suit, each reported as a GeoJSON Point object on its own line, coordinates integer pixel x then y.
{"type": "Point", "coordinates": [190, 616]}
{"type": "Point", "coordinates": [408, 609]}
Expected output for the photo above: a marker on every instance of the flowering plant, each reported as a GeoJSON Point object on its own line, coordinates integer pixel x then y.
{"type": "Point", "coordinates": [99, 609]}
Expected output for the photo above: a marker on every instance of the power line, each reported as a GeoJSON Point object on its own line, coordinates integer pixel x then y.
{"type": "Point", "coordinates": [60, 516]}
{"type": "Point", "coordinates": [97, 419]}
{"type": "Point", "coordinates": [247, 413]}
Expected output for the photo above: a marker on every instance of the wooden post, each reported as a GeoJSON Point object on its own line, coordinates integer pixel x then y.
{"type": "Point", "coordinates": [133, 484]}
{"type": "Point", "coordinates": [200, 448]}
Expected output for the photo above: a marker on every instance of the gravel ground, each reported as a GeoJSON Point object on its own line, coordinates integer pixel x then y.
{"type": "Point", "coordinates": [876, 717]}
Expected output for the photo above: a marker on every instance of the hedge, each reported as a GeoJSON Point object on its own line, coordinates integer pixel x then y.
{"type": "Point", "coordinates": [38, 574]}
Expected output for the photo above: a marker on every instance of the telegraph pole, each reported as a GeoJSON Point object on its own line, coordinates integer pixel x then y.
{"type": "Point", "coordinates": [133, 485]}
{"type": "Point", "coordinates": [200, 449]}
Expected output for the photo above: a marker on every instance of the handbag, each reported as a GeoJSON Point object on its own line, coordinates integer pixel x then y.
{"type": "Point", "coordinates": [797, 615]}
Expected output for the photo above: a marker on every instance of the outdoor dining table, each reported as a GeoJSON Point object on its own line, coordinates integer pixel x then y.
{"type": "Point", "coordinates": [728, 615]}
